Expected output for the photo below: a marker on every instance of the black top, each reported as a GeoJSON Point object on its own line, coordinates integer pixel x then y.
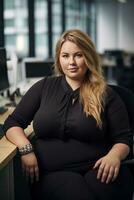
{"type": "Point", "coordinates": [65, 136]}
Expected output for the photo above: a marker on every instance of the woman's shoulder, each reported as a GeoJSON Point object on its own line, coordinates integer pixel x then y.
{"type": "Point", "coordinates": [112, 95]}
{"type": "Point", "coordinates": [47, 81]}
{"type": "Point", "coordinates": [110, 91]}
{"type": "Point", "coordinates": [53, 79]}
{"type": "Point", "coordinates": [52, 82]}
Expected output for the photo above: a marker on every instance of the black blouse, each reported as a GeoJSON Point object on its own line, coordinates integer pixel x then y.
{"type": "Point", "coordinates": [65, 136]}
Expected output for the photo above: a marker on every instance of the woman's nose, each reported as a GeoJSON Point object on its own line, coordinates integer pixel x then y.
{"type": "Point", "coordinates": [71, 60]}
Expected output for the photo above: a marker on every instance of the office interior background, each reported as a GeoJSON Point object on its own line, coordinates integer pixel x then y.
{"type": "Point", "coordinates": [29, 30]}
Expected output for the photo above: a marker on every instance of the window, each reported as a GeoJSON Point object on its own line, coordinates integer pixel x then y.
{"type": "Point", "coordinates": [16, 28]}
{"type": "Point", "coordinates": [81, 14]}
{"type": "Point", "coordinates": [41, 28]}
{"type": "Point", "coordinates": [56, 21]}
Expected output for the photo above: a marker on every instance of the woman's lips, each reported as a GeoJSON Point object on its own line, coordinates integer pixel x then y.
{"type": "Point", "coordinates": [73, 69]}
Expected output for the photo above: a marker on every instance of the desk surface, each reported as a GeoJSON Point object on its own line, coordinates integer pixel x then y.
{"type": "Point", "coordinates": [7, 149]}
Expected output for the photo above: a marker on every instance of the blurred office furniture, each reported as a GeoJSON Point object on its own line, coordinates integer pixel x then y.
{"type": "Point", "coordinates": [12, 71]}
{"type": "Point", "coordinates": [4, 82]}
{"type": "Point", "coordinates": [8, 78]}
{"type": "Point", "coordinates": [125, 75]}
{"type": "Point", "coordinates": [119, 70]}
{"type": "Point", "coordinates": [12, 66]}
{"type": "Point", "coordinates": [109, 66]}
{"type": "Point", "coordinates": [116, 56]}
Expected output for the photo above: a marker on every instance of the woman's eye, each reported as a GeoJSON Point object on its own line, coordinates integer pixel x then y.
{"type": "Point", "coordinates": [79, 55]}
{"type": "Point", "coordinates": [64, 56]}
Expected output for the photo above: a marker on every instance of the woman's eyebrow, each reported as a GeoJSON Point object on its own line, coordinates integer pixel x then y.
{"type": "Point", "coordinates": [64, 52]}
{"type": "Point", "coordinates": [69, 52]}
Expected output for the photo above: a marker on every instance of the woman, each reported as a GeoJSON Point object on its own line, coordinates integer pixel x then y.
{"type": "Point", "coordinates": [81, 127]}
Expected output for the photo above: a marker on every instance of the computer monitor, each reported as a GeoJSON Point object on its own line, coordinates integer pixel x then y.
{"type": "Point", "coordinates": [4, 83]}
{"type": "Point", "coordinates": [35, 68]}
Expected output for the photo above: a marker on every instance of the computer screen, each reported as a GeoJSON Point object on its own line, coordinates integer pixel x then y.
{"type": "Point", "coordinates": [4, 83]}
{"type": "Point", "coordinates": [38, 68]}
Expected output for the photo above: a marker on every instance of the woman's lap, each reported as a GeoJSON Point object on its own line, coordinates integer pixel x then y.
{"type": "Point", "coordinates": [65, 185]}
{"type": "Point", "coordinates": [70, 185]}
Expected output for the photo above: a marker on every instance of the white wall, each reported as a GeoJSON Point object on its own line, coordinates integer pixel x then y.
{"type": "Point", "coordinates": [115, 25]}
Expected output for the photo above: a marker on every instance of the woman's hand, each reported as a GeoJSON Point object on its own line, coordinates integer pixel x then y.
{"type": "Point", "coordinates": [108, 168]}
{"type": "Point", "coordinates": [30, 166]}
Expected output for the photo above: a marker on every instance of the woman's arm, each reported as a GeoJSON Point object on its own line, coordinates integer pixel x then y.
{"type": "Point", "coordinates": [119, 137]}
{"type": "Point", "coordinates": [16, 123]}
{"type": "Point", "coordinates": [120, 150]}
{"type": "Point", "coordinates": [17, 136]}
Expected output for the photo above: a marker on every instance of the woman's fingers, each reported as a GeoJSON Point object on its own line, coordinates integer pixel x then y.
{"type": "Point", "coordinates": [110, 175]}
{"type": "Point", "coordinates": [97, 164]}
{"type": "Point", "coordinates": [27, 174]}
{"type": "Point", "coordinates": [100, 172]}
{"type": "Point", "coordinates": [31, 173]}
{"type": "Point", "coordinates": [116, 172]}
{"type": "Point", "coordinates": [36, 173]}
{"type": "Point", "coordinates": [107, 174]}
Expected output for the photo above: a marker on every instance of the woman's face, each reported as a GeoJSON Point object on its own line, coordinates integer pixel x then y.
{"type": "Point", "coordinates": [72, 61]}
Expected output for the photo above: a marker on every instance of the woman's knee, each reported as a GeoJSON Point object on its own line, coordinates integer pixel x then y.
{"type": "Point", "coordinates": [115, 190]}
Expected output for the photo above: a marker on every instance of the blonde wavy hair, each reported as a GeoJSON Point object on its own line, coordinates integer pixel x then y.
{"type": "Point", "coordinates": [93, 87]}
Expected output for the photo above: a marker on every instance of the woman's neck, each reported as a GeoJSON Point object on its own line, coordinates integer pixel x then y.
{"type": "Point", "coordinates": [74, 84]}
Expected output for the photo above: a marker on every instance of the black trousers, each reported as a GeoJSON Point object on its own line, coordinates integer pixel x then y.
{"type": "Point", "coordinates": [82, 185]}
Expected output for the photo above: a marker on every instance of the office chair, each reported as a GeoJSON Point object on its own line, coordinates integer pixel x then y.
{"type": "Point", "coordinates": [126, 79]}
{"type": "Point", "coordinates": [128, 98]}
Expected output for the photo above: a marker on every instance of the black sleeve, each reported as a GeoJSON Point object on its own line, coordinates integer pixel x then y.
{"type": "Point", "coordinates": [117, 119]}
{"type": "Point", "coordinates": [26, 109]}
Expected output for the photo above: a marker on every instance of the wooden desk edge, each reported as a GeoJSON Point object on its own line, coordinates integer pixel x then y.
{"type": "Point", "coordinates": [8, 150]}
